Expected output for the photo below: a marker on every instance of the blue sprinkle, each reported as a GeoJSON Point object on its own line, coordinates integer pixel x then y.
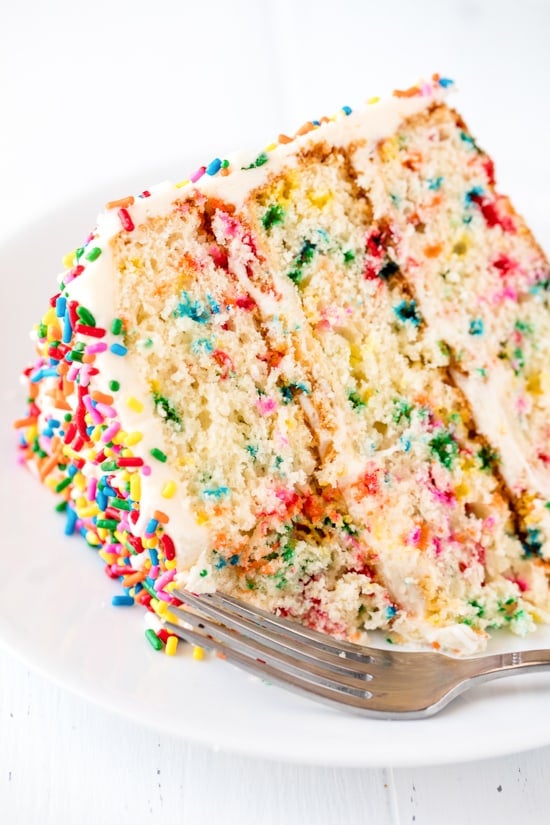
{"type": "Point", "coordinates": [67, 329]}
{"type": "Point", "coordinates": [60, 306]}
{"type": "Point", "coordinates": [316, 122]}
{"type": "Point", "coordinates": [476, 192]}
{"type": "Point", "coordinates": [407, 311]}
{"type": "Point", "coordinates": [234, 559]}
{"type": "Point", "coordinates": [70, 524]}
{"type": "Point", "coordinates": [220, 564]}
{"type": "Point", "coordinates": [216, 492]}
{"type": "Point", "coordinates": [138, 588]}
{"type": "Point", "coordinates": [346, 110]}
{"type": "Point", "coordinates": [405, 443]}
{"type": "Point", "coordinates": [467, 138]}
{"type": "Point", "coordinates": [47, 372]}
{"type": "Point", "coordinates": [195, 310]}
{"type": "Point", "coordinates": [391, 611]}
{"type": "Point", "coordinates": [118, 349]}
{"type": "Point", "coordinates": [53, 422]}
{"type": "Point", "coordinates": [214, 167]}
{"type": "Point", "coordinates": [201, 345]}
{"type": "Point", "coordinates": [151, 526]}
{"type": "Point", "coordinates": [445, 81]}
{"type": "Point", "coordinates": [90, 429]}
{"type": "Point", "coordinates": [476, 326]}
{"type": "Point", "coordinates": [109, 491]}
{"type": "Point", "coordinates": [72, 471]}
{"type": "Point", "coordinates": [122, 601]}
{"type": "Point", "coordinates": [101, 500]}
{"type": "Point", "coordinates": [214, 306]}
{"type": "Point", "coordinates": [154, 556]}
{"type": "Point", "coordinates": [435, 183]}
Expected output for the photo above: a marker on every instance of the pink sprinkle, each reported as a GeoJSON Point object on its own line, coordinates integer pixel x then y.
{"type": "Point", "coordinates": [106, 410]}
{"type": "Point", "coordinates": [72, 372]}
{"type": "Point", "coordinates": [92, 349]}
{"type": "Point", "coordinates": [146, 470]}
{"type": "Point", "coordinates": [154, 571]}
{"type": "Point", "coordinates": [164, 597]}
{"type": "Point", "coordinates": [266, 405]}
{"type": "Point", "coordinates": [437, 544]}
{"type": "Point", "coordinates": [163, 580]}
{"type": "Point", "coordinates": [425, 90]}
{"type": "Point", "coordinates": [97, 418]}
{"type": "Point", "coordinates": [112, 548]}
{"type": "Point", "coordinates": [414, 536]}
{"type": "Point", "coordinates": [85, 375]}
{"type": "Point", "coordinates": [92, 489]}
{"type": "Point", "coordinates": [110, 432]}
{"type": "Point", "coordinates": [197, 175]}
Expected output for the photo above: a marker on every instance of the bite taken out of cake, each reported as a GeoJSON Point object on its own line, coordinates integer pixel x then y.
{"type": "Point", "coordinates": [314, 377]}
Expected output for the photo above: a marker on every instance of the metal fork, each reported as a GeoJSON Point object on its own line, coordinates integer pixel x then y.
{"type": "Point", "coordinates": [373, 682]}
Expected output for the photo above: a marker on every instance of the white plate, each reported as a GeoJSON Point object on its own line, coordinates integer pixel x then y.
{"type": "Point", "coordinates": [55, 610]}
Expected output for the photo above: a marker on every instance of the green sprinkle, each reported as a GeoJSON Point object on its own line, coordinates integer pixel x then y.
{"type": "Point", "coordinates": [68, 417]}
{"type": "Point", "coordinates": [355, 400]}
{"type": "Point", "coordinates": [153, 639]}
{"type": "Point", "coordinates": [445, 448]}
{"type": "Point", "coordinates": [120, 504]}
{"type": "Point", "coordinates": [487, 457]}
{"type": "Point", "coordinates": [273, 215]}
{"type": "Point", "coordinates": [225, 164]}
{"type": "Point", "coordinates": [93, 254]}
{"type": "Point", "coordinates": [203, 573]}
{"type": "Point", "coordinates": [42, 330]}
{"type": "Point", "coordinates": [76, 356]}
{"type": "Point", "coordinates": [168, 411]}
{"type": "Point", "coordinates": [107, 523]}
{"type": "Point", "coordinates": [79, 252]}
{"type": "Point", "coordinates": [146, 586]}
{"type": "Point", "coordinates": [260, 160]}
{"type": "Point", "coordinates": [109, 465]}
{"type": "Point", "coordinates": [114, 386]}
{"type": "Point", "coordinates": [116, 326]}
{"type": "Point", "coordinates": [86, 316]}
{"type": "Point", "coordinates": [62, 484]}
{"type": "Point", "coordinates": [349, 256]}
{"type": "Point", "coordinates": [158, 454]}
{"type": "Point", "coordinates": [402, 410]}
{"type": "Point", "coordinates": [61, 507]}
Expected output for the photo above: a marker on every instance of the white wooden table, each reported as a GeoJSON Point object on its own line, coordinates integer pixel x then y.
{"type": "Point", "coordinates": [91, 94]}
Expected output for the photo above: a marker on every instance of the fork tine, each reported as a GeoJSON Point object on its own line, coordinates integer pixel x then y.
{"type": "Point", "coordinates": [223, 607]}
{"type": "Point", "coordinates": [284, 673]}
{"type": "Point", "coordinates": [266, 648]}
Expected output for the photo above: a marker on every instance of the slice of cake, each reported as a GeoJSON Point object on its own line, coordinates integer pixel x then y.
{"type": "Point", "coordinates": [315, 378]}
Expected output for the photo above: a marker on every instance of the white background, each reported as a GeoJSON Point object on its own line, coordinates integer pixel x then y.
{"type": "Point", "coordinates": [94, 95]}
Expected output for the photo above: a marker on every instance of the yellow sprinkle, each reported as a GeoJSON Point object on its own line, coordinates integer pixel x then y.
{"type": "Point", "coordinates": [182, 183]}
{"type": "Point", "coordinates": [271, 147]}
{"type": "Point", "coordinates": [108, 558]}
{"type": "Point", "coordinates": [170, 564]}
{"type": "Point", "coordinates": [120, 438]}
{"type": "Point", "coordinates": [120, 537]}
{"type": "Point", "coordinates": [170, 617]}
{"type": "Point", "coordinates": [95, 435]}
{"type": "Point", "coordinates": [155, 386]}
{"type": "Point", "coordinates": [161, 608]}
{"type": "Point", "coordinates": [171, 645]}
{"type": "Point", "coordinates": [133, 438]}
{"type": "Point", "coordinates": [50, 317]}
{"type": "Point", "coordinates": [68, 260]}
{"type": "Point", "coordinates": [169, 489]}
{"type": "Point", "coordinates": [91, 538]}
{"type": "Point", "coordinates": [134, 404]}
{"type": "Point", "coordinates": [198, 653]}
{"type": "Point", "coordinates": [80, 482]}
{"type": "Point", "coordinates": [51, 482]}
{"type": "Point", "coordinates": [201, 517]}
{"type": "Point", "coordinates": [150, 543]}
{"type": "Point", "coordinates": [373, 100]}
{"type": "Point", "coordinates": [135, 487]}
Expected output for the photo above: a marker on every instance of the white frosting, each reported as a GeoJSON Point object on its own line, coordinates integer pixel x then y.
{"type": "Point", "coordinates": [95, 290]}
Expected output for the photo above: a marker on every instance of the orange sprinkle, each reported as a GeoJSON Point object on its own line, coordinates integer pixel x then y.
{"type": "Point", "coordinates": [307, 127]}
{"type": "Point", "coordinates": [160, 516]}
{"type": "Point", "coordinates": [47, 466]}
{"type": "Point", "coordinates": [284, 139]}
{"type": "Point", "coordinates": [102, 397]}
{"type": "Point", "coordinates": [135, 578]}
{"type": "Point", "coordinates": [88, 358]}
{"type": "Point", "coordinates": [120, 204]}
{"type": "Point", "coordinates": [25, 422]}
{"type": "Point", "coordinates": [412, 92]}
{"type": "Point", "coordinates": [433, 251]}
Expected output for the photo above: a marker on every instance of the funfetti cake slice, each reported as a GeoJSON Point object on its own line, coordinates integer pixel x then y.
{"type": "Point", "coordinates": [315, 377]}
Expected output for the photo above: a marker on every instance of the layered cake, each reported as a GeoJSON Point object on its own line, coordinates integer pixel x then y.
{"type": "Point", "coordinates": [315, 377]}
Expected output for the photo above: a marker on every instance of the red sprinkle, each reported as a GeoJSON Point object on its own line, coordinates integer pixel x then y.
{"type": "Point", "coordinates": [70, 434]}
{"type": "Point", "coordinates": [130, 462]}
{"type": "Point", "coordinates": [94, 332]}
{"type": "Point", "coordinates": [126, 220]}
{"type": "Point", "coordinates": [168, 547]}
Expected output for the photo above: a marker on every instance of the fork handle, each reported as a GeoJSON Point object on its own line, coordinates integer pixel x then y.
{"type": "Point", "coordinates": [499, 665]}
